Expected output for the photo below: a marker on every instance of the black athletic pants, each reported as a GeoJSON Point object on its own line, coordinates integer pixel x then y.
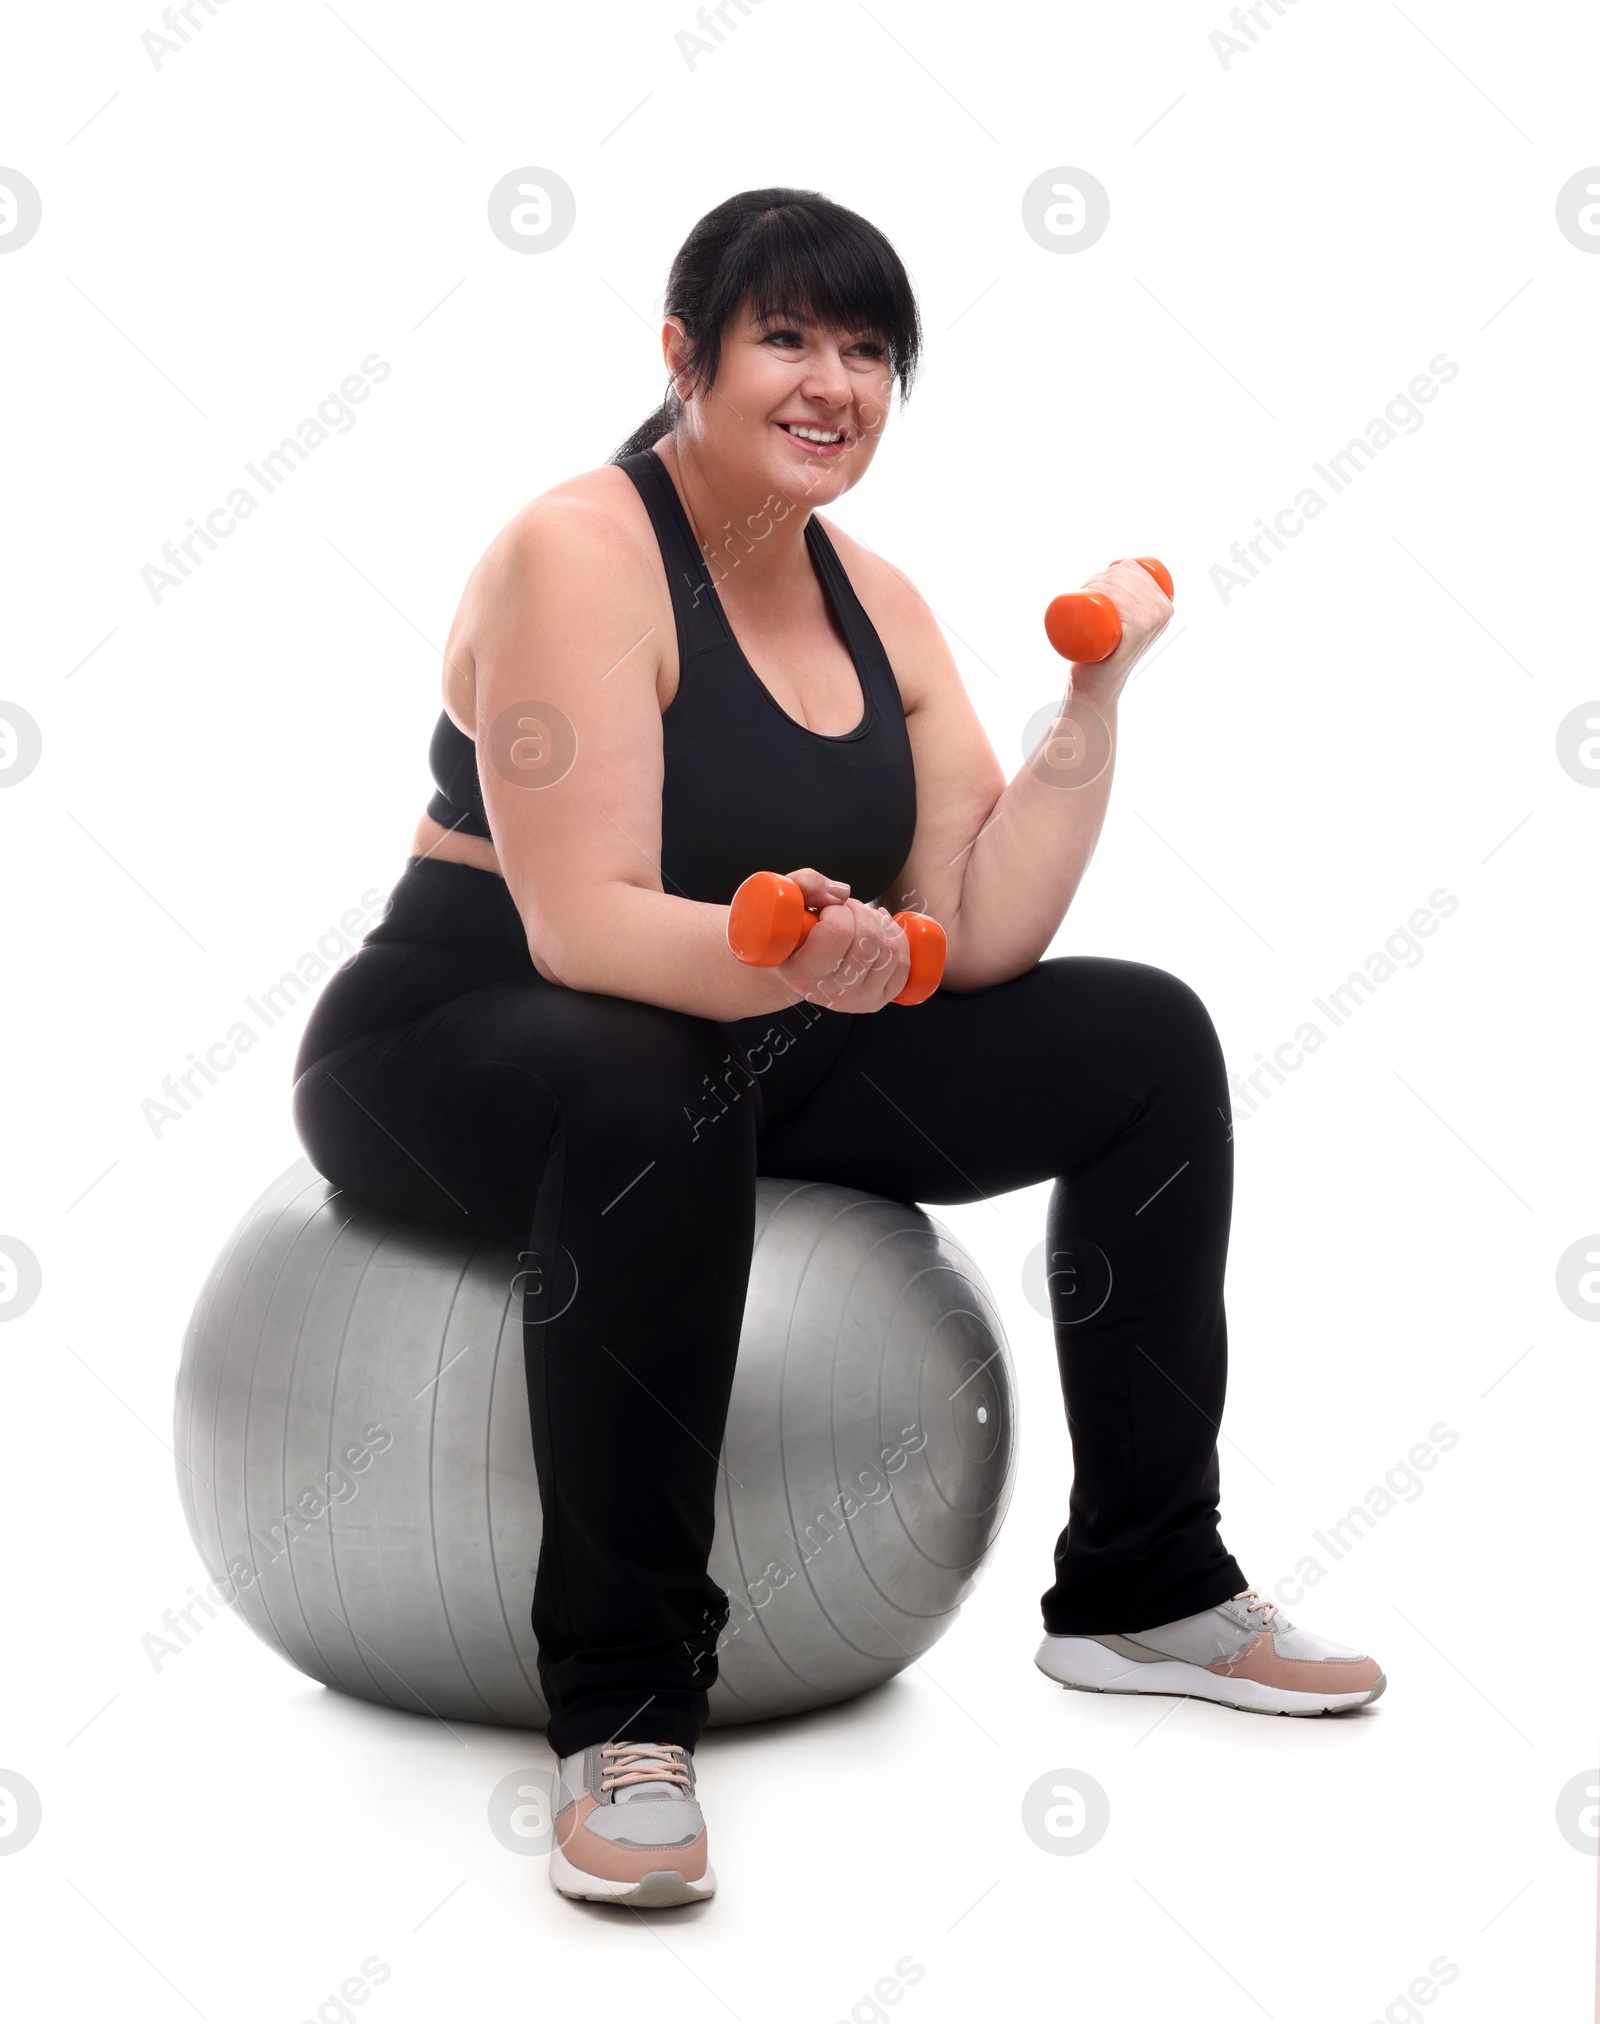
{"type": "Point", "coordinates": [441, 1077]}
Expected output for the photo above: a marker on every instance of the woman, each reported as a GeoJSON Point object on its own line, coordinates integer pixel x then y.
{"type": "Point", "coordinates": [666, 674]}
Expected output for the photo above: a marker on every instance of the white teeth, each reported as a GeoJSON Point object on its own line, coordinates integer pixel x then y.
{"type": "Point", "coordinates": [815, 435]}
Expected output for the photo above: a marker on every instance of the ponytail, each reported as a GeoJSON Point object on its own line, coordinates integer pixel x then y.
{"type": "Point", "coordinates": [650, 432]}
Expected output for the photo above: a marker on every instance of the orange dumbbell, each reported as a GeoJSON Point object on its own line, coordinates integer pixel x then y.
{"type": "Point", "coordinates": [769, 919]}
{"type": "Point", "coordinates": [1084, 625]}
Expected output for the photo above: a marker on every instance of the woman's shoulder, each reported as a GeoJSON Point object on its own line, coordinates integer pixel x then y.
{"type": "Point", "coordinates": [584, 531]}
{"type": "Point", "coordinates": [584, 540]}
{"type": "Point", "coordinates": [601, 507]}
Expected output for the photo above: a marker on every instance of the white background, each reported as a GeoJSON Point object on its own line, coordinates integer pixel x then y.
{"type": "Point", "coordinates": [1294, 234]}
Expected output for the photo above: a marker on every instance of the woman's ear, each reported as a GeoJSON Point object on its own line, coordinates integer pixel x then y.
{"type": "Point", "coordinates": [674, 349]}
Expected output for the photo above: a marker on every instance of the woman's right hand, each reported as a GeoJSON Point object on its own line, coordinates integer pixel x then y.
{"type": "Point", "coordinates": [857, 957]}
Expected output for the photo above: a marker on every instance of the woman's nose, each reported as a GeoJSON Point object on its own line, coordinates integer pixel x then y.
{"type": "Point", "coordinates": [828, 381]}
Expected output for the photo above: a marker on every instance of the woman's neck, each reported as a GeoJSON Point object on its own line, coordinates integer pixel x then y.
{"type": "Point", "coordinates": [737, 527]}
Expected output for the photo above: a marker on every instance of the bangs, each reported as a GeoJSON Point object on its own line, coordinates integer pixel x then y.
{"type": "Point", "coordinates": [783, 252]}
{"type": "Point", "coordinates": [815, 259]}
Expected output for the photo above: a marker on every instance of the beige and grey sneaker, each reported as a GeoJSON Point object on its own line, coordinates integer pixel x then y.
{"type": "Point", "coordinates": [628, 1827]}
{"type": "Point", "coordinates": [1243, 1653]}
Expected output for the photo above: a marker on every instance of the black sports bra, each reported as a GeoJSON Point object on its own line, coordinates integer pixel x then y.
{"type": "Point", "coordinates": [747, 787]}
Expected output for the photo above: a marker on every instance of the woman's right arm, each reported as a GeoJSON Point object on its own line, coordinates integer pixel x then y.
{"type": "Point", "coordinates": [568, 726]}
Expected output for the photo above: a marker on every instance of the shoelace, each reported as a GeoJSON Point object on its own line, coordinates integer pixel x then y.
{"type": "Point", "coordinates": [643, 1764]}
{"type": "Point", "coordinates": [1253, 1602]}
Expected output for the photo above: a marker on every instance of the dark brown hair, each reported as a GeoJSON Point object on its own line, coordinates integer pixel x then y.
{"type": "Point", "coordinates": [783, 250]}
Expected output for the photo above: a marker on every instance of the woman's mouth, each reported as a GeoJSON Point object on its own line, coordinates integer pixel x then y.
{"type": "Point", "coordinates": [818, 441]}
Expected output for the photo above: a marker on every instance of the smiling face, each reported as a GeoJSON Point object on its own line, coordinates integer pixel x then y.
{"type": "Point", "coordinates": [797, 409]}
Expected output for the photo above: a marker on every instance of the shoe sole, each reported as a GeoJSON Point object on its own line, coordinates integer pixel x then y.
{"type": "Point", "coordinates": [1091, 1668]}
{"type": "Point", "coordinates": [656, 1887]}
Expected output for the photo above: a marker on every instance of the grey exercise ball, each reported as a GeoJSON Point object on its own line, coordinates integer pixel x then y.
{"type": "Point", "coordinates": [356, 1465]}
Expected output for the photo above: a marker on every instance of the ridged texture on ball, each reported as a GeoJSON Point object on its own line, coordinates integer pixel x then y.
{"type": "Point", "coordinates": [354, 1451]}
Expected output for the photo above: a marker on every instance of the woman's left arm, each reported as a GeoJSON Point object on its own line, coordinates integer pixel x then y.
{"type": "Point", "coordinates": [997, 865]}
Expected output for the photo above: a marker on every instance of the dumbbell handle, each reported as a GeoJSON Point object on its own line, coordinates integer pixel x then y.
{"type": "Point", "coordinates": [769, 919]}
{"type": "Point", "coordinates": [1084, 625]}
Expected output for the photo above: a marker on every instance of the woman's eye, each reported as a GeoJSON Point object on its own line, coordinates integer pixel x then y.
{"type": "Point", "coordinates": [868, 348]}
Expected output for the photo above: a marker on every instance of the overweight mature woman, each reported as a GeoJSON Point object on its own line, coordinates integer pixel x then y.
{"type": "Point", "coordinates": [665, 674]}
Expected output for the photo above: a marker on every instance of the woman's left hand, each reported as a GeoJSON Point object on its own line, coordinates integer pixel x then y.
{"type": "Point", "coordinates": [1144, 609]}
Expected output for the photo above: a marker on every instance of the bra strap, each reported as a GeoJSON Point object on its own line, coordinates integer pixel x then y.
{"type": "Point", "coordinates": [688, 578]}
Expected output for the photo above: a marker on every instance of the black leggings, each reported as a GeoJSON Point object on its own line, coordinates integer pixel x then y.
{"type": "Point", "coordinates": [441, 1077]}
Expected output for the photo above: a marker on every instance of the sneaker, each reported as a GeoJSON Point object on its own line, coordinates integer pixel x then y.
{"type": "Point", "coordinates": [1243, 1653]}
{"type": "Point", "coordinates": [629, 1829]}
